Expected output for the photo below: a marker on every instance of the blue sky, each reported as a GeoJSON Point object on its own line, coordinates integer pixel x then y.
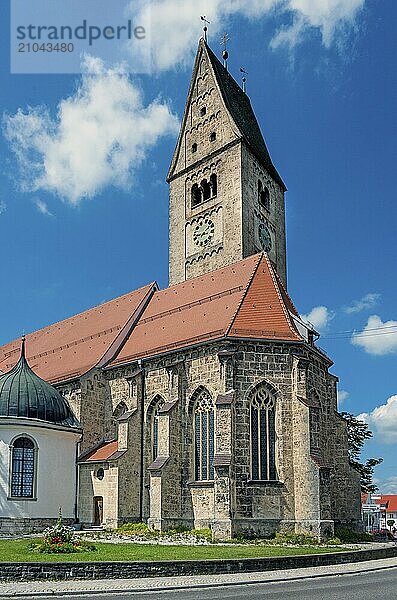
{"type": "Point", "coordinates": [324, 87]}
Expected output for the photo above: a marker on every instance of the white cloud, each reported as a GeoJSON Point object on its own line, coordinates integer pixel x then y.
{"type": "Point", "coordinates": [3, 207]}
{"type": "Point", "coordinates": [342, 396]}
{"type": "Point", "coordinates": [366, 302]}
{"type": "Point", "coordinates": [100, 136]}
{"type": "Point", "coordinates": [42, 207]}
{"type": "Point", "coordinates": [389, 485]}
{"type": "Point", "coordinates": [378, 337]}
{"type": "Point", "coordinates": [319, 317]}
{"type": "Point", "coordinates": [174, 25]}
{"type": "Point", "coordinates": [383, 421]}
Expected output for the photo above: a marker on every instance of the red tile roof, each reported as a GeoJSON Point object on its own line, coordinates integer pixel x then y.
{"type": "Point", "coordinates": [391, 500]}
{"type": "Point", "coordinates": [102, 453]}
{"type": "Point", "coordinates": [70, 348]}
{"type": "Point", "coordinates": [385, 499]}
{"type": "Point", "coordinates": [243, 300]}
{"type": "Point", "coordinates": [240, 300]}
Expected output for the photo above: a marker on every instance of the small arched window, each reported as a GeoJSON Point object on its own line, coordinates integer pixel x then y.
{"type": "Point", "coordinates": [213, 136]}
{"type": "Point", "coordinates": [158, 404]}
{"type": "Point", "coordinates": [263, 434]}
{"type": "Point", "coordinates": [196, 195]}
{"type": "Point", "coordinates": [213, 185]}
{"type": "Point", "coordinates": [206, 188]}
{"type": "Point", "coordinates": [204, 436]}
{"type": "Point", "coordinates": [203, 111]}
{"type": "Point", "coordinates": [194, 148]}
{"type": "Point", "coordinates": [263, 196]}
{"type": "Point", "coordinates": [22, 468]}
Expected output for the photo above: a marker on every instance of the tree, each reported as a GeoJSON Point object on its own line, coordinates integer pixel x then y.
{"type": "Point", "coordinates": [357, 434]}
{"type": "Point", "coordinates": [390, 523]}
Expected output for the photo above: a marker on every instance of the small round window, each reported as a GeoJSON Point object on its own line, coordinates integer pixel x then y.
{"type": "Point", "coordinates": [100, 474]}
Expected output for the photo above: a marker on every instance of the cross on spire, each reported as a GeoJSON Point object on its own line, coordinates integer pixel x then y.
{"type": "Point", "coordinates": [205, 28]}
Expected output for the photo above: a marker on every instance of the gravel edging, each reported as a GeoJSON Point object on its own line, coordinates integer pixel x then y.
{"type": "Point", "coordinates": [139, 569]}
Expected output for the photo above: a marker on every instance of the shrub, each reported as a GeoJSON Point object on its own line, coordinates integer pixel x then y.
{"type": "Point", "coordinates": [295, 539]}
{"type": "Point", "coordinates": [349, 536]}
{"type": "Point", "coordinates": [335, 541]}
{"type": "Point", "coordinates": [202, 534]}
{"type": "Point", "coordinates": [134, 528]}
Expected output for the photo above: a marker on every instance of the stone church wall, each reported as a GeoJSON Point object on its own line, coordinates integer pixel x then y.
{"type": "Point", "coordinates": [315, 483]}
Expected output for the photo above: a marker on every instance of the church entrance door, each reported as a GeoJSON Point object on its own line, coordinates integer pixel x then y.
{"type": "Point", "coordinates": [98, 510]}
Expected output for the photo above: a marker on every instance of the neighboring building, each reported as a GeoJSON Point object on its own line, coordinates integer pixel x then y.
{"type": "Point", "coordinates": [371, 513]}
{"type": "Point", "coordinates": [38, 449]}
{"type": "Point", "coordinates": [388, 509]}
{"type": "Point", "coordinates": [207, 403]}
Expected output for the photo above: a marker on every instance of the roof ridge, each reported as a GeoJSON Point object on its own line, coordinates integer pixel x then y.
{"type": "Point", "coordinates": [126, 330]}
{"type": "Point", "coordinates": [280, 296]}
{"type": "Point", "coordinates": [259, 258]}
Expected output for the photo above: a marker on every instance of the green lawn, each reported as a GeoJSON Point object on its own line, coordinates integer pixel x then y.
{"type": "Point", "coordinates": [18, 551]}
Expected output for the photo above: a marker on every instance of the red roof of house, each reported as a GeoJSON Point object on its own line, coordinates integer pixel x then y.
{"type": "Point", "coordinates": [385, 499]}
{"type": "Point", "coordinates": [243, 300]}
{"type": "Point", "coordinates": [390, 500]}
{"type": "Point", "coordinates": [70, 348]}
{"type": "Point", "coordinates": [102, 453]}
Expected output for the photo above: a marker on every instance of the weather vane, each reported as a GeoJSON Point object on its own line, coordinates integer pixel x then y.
{"type": "Point", "coordinates": [225, 53]}
{"type": "Point", "coordinates": [205, 28]}
{"type": "Point", "coordinates": [244, 72]}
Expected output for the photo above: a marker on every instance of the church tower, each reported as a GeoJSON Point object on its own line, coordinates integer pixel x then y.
{"type": "Point", "coordinates": [226, 197]}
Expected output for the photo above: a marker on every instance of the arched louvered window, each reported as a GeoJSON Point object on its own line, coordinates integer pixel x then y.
{"type": "Point", "coordinates": [214, 185]}
{"type": "Point", "coordinates": [196, 195]}
{"type": "Point", "coordinates": [22, 468]}
{"type": "Point", "coordinates": [204, 436]}
{"type": "Point", "coordinates": [158, 405]}
{"type": "Point", "coordinates": [263, 434]}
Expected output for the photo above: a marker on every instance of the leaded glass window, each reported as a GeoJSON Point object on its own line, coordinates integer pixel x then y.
{"type": "Point", "coordinates": [263, 435]}
{"type": "Point", "coordinates": [22, 470]}
{"type": "Point", "coordinates": [204, 437]}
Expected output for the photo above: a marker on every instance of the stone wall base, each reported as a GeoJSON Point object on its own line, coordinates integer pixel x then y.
{"type": "Point", "coordinates": [162, 524]}
{"type": "Point", "coordinates": [13, 527]}
{"type": "Point", "coordinates": [322, 530]}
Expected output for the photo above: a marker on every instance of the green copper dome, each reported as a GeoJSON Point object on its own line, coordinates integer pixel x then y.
{"type": "Point", "coordinates": [24, 394]}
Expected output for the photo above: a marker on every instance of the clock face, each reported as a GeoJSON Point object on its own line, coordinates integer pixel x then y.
{"type": "Point", "coordinates": [265, 237]}
{"type": "Point", "coordinates": [203, 232]}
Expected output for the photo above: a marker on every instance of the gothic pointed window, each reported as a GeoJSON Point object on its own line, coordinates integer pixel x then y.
{"type": "Point", "coordinates": [157, 406]}
{"type": "Point", "coordinates": [22, 468]}
{"type": "Point", "coordinates": [213, 185]}
{"type": "Point", "coordinates": [263, 434]}
{"type": "Point", "coordinates": [204, 436]}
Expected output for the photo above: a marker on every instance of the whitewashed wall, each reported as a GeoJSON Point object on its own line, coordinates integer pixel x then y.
{"type": "Point", "coordinates": [55, 470]}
